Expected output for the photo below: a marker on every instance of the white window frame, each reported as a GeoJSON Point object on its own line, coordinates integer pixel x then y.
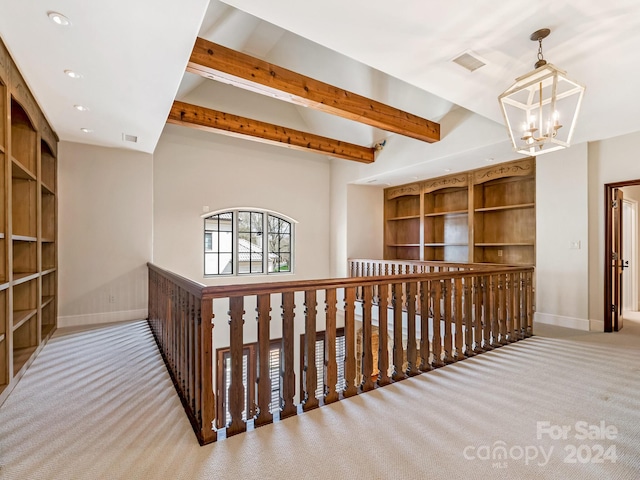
{"type": "Point", "coordinates": [235, 237]}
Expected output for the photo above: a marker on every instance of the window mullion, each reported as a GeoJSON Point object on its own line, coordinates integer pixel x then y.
{"type": "Point", "coordinates": [265, 243]}
{"type": "Point", "coordinates": [234, 245]}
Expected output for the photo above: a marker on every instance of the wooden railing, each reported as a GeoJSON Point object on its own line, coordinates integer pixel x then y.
{"type": "Point", "coordinates": [366, 267]}
{"type": "Point", "coordinates": [423, 320]}
{"type": "Point", "coordinates": [180, 319]}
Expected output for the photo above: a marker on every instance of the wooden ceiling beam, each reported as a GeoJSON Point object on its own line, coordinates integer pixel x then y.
{"type": "Point", "coordinates": [203, 118]}
{"type": "Point", "coordinates": [214, 61]}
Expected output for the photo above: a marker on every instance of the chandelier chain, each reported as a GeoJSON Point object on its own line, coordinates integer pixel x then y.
{"type": "Point", "coordinates": [540, 56]}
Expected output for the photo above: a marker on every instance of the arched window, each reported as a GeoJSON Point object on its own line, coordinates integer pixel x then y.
{"type": "Point", "coordinates": [239, 242]}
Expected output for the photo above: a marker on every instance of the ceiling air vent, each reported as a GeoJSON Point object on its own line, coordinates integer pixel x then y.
{"type": "Point", "coordinates": [129, 138]}
{"type": "Point", "coordinates": [469, 60]}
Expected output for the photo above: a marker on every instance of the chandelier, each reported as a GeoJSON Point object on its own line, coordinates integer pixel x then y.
{"type": "Point", "coordinates": [541, 107]}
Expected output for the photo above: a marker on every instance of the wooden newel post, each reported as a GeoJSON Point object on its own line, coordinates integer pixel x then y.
{"type": "Point", "coordinates": [205, 379]}
{"type": "Point", "coordinates": [425, 350]}
{"type": "Point", "coordinates": [458, 316]}
{"type": "Point", "coordinates": [436, 290]}
{"type": "Point", "coordinates": [514, 291]}
{"type": "Point", "coordinates": [494, 311]}
{"type": "Point", "coordinates": [310, 374]}
{"type": "Point", "coordinates": [367, 353]}
{"type": "Point", "coordinates": [287, 372]}
{"type": "Point", "coordinates": [502, 308]}
{"type": "Point", "coordinates": [349, 342]}
{"type": "Point", "coordinates": [517, 310]}
{"type": "Point", "coordinates": [236, 388]}
{"type": "Point", "coordinates": [468, 316]}
{"type": "Point", "coordinates": [478, 324]}
{"type": "Point", "coordinates": [383, 338]}
{"type": "Point", "coordinates": [529, 303]}
{"type": "Point", "coordinates": [330, 361]}
{"type": "Point", "coordinates": [412, 342]}
{"type": "Point", "coordinates": [447, 294]}
{"type": "Point", "coordinates": [486, 313]}
{"type": "Point", "coordinates": [398, 350]}
{"type": "Point", "coordinates": [263, 382]}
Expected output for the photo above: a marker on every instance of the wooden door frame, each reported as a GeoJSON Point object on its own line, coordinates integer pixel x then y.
{"type": "Point", "coordinates": [608, 279]}
{"type": "Point", "coordinates": [632, 253]}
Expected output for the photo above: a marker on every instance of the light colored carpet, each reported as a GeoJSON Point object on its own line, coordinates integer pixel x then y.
{"type": "Point", "coordinates": [98, 404]}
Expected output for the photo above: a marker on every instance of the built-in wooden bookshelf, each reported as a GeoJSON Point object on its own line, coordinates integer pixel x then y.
{"type": "Point", "coordinates": [402, 220]}
{"type": "Point", "coordinates": [28, 226]}
{"type": "Point", "coordinates": [446, 218]}
{"type": "Point", "coordinates": [485, 216]}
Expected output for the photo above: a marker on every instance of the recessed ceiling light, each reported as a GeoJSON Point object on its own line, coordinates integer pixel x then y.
{"type": "Point", "coordinates": [81, 108]}
{"type": "Point", "coordinates": [129, 138]}
{"type": "Point", "coordinates": [59, 19]}
{"type": "Point", "coordinates": [447, 169]}
{"type": "Point", "coordinates": [86, 130]}
{"type": "Point", "coordinates": [490, 159]}
{"type": "Point", "coordinates": [72, 74]}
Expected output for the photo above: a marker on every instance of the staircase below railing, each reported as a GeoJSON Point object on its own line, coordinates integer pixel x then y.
{"type": "Point", "coordinates": [423, 320]}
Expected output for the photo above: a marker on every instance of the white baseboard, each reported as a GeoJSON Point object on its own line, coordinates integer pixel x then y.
{"type": "Point", "coordinates": [562, 321]}
{"type": "Point", "coordinates": [104, 317]}
{"type": "Point", "coordinates": [596, 325]}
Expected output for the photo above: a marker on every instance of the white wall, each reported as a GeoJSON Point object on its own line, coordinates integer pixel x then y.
{"type": "Point", "coordinates": [193, 169]}
{"type": "Point", "coordinates": [365, 220]}
{"type": "Point", "coordinates": [104, 231]}
{"type": "Point", "coordinates": [561, 227]}
{"type": "Point", "coordinates": [611, 160]}
{"type": "Point", "coordinates": [357, 213]}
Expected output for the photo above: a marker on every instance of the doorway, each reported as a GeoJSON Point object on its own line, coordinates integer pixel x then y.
{"type": "Point", "coordinates": [620, 268]}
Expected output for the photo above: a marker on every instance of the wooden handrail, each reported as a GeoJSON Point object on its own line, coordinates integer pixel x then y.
{"type": "Point", "coordinates": [190, 286]}
{"type": "Point", "coordinates": [424, 320]}
{"type": "Point", "coordinates": [224, 291]}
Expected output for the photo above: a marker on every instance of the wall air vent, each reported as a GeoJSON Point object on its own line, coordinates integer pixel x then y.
{"type": "Point", "coordinates": [469, 60]}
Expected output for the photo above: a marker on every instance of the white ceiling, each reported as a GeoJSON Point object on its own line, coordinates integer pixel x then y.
{"type": "Point", "coordinates": [132, 57]}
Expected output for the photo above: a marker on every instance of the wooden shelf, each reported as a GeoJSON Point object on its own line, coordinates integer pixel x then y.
{"type": "Point", "coordinates": [46, 330]}
{"type": "Point", "coordinates": [408, 217]}
{"type": "Point", "coordinates": [21, 356]}
{"type": "Point", "coordinates": [4, 285]}
{"type": "Point", "coordinates": [1, 149]}
{"type": "Point", "coordinates": [47, 189]}
{"type": "Point", "coordinates": [403, 244]}
{"type": "Point", "coordinates": [446, 244]}
{"type": "Point", "coordinates": [506, 207]}
{"type": "Point", "coordinates": [19, 278]}
{"type": "Point", "coordinates": [48, 271]}
{"type": "Point", "coordinates": [20, 171]}
{"type": "Point", "coordinates": [20, 317]}
{"type": "Point", "coordinates": [452, 212]}
{"type": "Point", "coordinates": [503, 244]}
{"type": "Point", "coordinates": [2, 337]}
{"type": "Point", "coordinates": [23, 238]}
{"type": "Point", "coordinates": [46, 300]}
